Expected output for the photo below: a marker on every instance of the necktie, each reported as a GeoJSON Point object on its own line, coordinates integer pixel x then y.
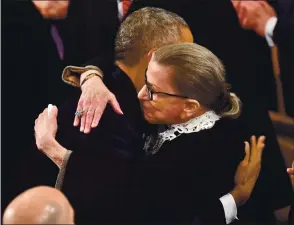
{"type": "Point", "coordinates": [125, 6]}
{"type": "Point", "coordinates": [57, 40]}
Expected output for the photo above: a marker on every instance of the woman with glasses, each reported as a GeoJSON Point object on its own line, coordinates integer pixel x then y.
{"type": "Point", "coordinates": [199, 134]}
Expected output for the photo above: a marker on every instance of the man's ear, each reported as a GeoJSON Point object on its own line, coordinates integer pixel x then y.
{"type": "Point", "coordinates": [191, 108]}
{"type": "Point", "coordinates": [150, 53]}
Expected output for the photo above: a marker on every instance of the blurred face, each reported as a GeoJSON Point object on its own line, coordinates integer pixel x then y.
{"type": "Point", "coordinates": [52, 9]}
{"type": "Point", "coordinates": [160, 101]}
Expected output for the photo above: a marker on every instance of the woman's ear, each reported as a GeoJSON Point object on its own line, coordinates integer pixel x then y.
{"type": "Point", "coordinates": [150, 53]}
{"type": "Point", "coordinates": [191, 108]}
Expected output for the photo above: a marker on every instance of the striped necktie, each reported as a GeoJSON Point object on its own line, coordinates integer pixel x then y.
{"type": "Point", "coordinates": [58, 41]}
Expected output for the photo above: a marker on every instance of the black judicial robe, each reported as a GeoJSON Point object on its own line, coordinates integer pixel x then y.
{"type": "Point", "coordinates": [187, 173]}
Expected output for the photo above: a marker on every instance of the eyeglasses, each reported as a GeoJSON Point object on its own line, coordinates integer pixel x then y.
{"type": "Point", "coordinates": [151, 92]}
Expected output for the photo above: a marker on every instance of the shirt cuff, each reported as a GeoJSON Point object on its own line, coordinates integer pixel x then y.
{"type": "Point", "coordinates": [61, 174]}
{"type": "Point", "coordinates": [269, 30]}
{"type": "Point", "coordinates": [71, 74]}
{"type": "Point", "coordinates": [230, 207]}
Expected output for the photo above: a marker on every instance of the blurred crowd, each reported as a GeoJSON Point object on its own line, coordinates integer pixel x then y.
{"type": "Point", "coordinates": [61, 51]}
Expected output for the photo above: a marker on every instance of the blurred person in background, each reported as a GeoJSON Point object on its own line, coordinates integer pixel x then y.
{"type": "Point", "coordinates": [276, 26]}
{"type": "Point", "coordinates": [31, 65]}
{"type": "Point", "coordinates": [39, 205]}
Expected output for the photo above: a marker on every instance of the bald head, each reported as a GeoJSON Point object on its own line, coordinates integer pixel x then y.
{"type": "Point", "coordinates": [39, 205]}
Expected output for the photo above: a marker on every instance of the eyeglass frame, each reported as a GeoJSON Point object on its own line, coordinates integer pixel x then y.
{"type": "Point", "coordinates": [150, 92]}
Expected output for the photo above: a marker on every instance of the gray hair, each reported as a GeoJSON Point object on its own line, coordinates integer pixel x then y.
{"type": "Point", "coordinates": [200, 75]}
{"type": "Point", "coordinates": [145, 29]}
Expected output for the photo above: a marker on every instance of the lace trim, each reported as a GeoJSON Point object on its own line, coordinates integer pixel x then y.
{"type": "Point", "coordinates": [203, 122]}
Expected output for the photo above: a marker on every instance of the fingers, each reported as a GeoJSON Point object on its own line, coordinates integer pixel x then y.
{"type": "Point", "coordinates": [260, 146]}
{"type": "Point", "coordinates": [257, 148]}
{"type": "Point", "coordinates": [52, 111]}
{"type": "Point", "coordinates": [290, 171]}
{"type": "Point", "coordinates": [94, 117]}
{"type": "Point", "coordinates": [50, 106]}
{"type": "Point", "coordinates": [94, 114]}
{"type": "Point", "coordinates": [93, 101]}
{"type": "Point", "coordinates": [89, 119]}
{"type": "Point", "coordinates": [79, 108]}
{"type": "Point", "coordinates": [252, 147]}
{"type": "Point", "coordinates": [247, 152]}
{"type": "Point", "coordinates": [242, 12]}
{"type": "Point", "coordinates": [98, 113]}
{"type": "Point", "coordinates": [83, 119]}
{"type": "Point", "coordinates": [115, 105]}
{"type": "Point", "coordinates": [87, 115]}
{"type": "Point", "coordinates": [268, 8]}
{"type": "Point", "coordinates": [236, 5]}
{"type": "Point", "coordinates": [253, 141]}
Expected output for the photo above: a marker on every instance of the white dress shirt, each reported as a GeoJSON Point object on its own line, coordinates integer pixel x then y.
{"type": "Point", "coordinates": [269, 30]}
{"type": "Point", "coordinates": [230, 207]}
{"type": "Point", "coordinates": [120, 9]}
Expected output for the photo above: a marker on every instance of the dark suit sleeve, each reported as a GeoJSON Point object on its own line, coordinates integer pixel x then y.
{"type": "Point", "coordinates": [71, 74]}
{"type": "Point", "coordinates": [95, 174]}
{"type": "Point", "coordinates": [209, 213]}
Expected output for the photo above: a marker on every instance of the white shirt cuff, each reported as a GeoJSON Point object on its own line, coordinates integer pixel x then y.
{"type": "Point", "coordinates": [230, 207]}
{"type": "Point", "coordinates": [269, 30]}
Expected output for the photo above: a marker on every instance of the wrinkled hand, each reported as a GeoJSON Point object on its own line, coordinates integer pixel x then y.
{"type": "Point", "coordinates": [254, 14]}
{"type": "Point", "coordinates": [46, 127]}
{"type": "Point", "coordinates": [248, 170]}
{"type": "Point", "coordinates": [93, 101]}
{"type": "Point", "coordinates": [52, 9]}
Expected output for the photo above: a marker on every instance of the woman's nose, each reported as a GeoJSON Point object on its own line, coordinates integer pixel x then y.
{"type": "Point", "coordinates": [142, 95]}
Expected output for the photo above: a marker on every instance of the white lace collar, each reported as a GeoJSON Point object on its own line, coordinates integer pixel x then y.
{"type": "Point", "coordinates": [203, 122]}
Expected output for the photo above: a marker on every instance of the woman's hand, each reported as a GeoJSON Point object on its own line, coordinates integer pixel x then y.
{"type": "Point", "coordinates": [45, 132]}
{"type": "Point", "coordinates": [94, 98]}
{"type": "Point", "coordinates": [248, 170]}
{"type": "Point", "coordinates": [46, 127]}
